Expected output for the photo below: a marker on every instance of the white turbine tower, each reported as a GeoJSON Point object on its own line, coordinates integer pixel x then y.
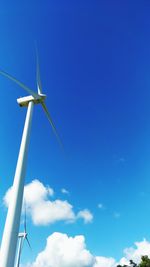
{"type": "Point", "coordinates": [11, 229]}
{"type": "Point", "coordinates": [22, 238]}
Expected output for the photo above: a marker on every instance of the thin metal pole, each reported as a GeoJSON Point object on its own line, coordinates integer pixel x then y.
{"type": "Point", "coordinates": [11, 229]}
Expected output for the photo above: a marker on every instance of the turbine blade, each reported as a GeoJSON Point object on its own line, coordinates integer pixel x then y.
{"type": "Point", "coordinates": [27, 89]}
{"type": "Point", "coordinates": [38, 76]}
{"type": "Point", "coordinates": [28, 242]}
{"type": "Point", "coordinates": [52, 124]}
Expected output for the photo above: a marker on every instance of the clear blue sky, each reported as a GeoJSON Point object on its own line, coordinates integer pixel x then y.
{"type": "Point", "coordinates": [95, 69]}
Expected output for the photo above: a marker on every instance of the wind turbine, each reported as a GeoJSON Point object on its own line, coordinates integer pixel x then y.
{"type": "Point", "coordinates": [11, 229]}
{"type": "Point", "coordinates": [22, 238]}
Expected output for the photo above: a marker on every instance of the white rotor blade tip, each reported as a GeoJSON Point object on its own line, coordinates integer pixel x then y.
{"type": "Point", "coordinates": [38, 76]}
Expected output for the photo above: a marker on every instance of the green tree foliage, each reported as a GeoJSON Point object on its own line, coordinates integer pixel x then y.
{"type": "Point", "coordinates": [145, 262]}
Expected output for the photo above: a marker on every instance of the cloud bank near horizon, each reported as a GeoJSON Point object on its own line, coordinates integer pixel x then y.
{"type": "Point", "coordinates": [64, 251]}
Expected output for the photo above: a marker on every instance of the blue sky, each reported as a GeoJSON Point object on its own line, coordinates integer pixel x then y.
{"type": "Point", "coordinates": [95, 69]}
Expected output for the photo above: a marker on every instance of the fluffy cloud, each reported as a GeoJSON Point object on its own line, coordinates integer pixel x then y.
{"type": "Point", "coordinates": [64, 251]}
{"type": "Point", "coordinates": [100, 206]}
{"type": "Point", "coordinates": [43, 210]}
{"type": "Point", "coordinates": [103, 262]}
{"type": "Point", "coordinates": [140, 249]}
{"type": "Point", "coordinates": [85, 215]}
{"type": "Point", "coordinates": [65, 191]}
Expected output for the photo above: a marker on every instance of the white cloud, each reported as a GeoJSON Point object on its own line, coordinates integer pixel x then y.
{"type": "Point", "coordinates": [101, 206]}
{"type": "Point", "coordinates": [33, 192]}
{"type": "Point", "coordinates": [104, 262]}
{"type": "Point", "coordinates": [64, 251]}
{"type": "Point", "coordinates": [86, 215]}
{"type": "Point", "coordinates": [47, 212]}
{"type": "Point", "coordinates": [65, 191]}
{"type": "Point", "coordinates": [7, 197]}
{"type": "Point", "coordinates": [43, 210]}
{"type": "Point", "coordinates": [141, 248]}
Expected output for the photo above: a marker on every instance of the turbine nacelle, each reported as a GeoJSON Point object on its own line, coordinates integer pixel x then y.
{"type": "Point", "coordinates": [24, 101]}
{"type": "Point", "coordinates": [22, 235]}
